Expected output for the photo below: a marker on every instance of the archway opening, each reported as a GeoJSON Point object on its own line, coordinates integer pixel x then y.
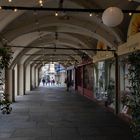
{"type": "Point", "coordinates": [52, 74]}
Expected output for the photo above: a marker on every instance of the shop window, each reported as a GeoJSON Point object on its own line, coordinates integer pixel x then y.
{"type": "Point", "coordinates": [88, 77]}
{"type": "Point", "coordinates": [100, 91]}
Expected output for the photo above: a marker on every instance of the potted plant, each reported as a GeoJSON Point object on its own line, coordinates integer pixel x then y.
{"type": "Point", "coordinates": [126, 100]}
{"type": "Point", "coordinates": [110, 92]}
{"type": "Point", "coordinates": [134, 103]}
{"type": "Point", "coordinates": [5, 105]}
{"type": "Point", "coordinates": [5, 57]}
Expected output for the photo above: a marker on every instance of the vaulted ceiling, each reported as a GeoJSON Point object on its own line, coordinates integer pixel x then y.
{"type": "Point", "coordinates": [29, 33]}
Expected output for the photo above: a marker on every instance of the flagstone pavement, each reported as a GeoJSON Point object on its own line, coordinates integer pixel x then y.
{"type": "Point", "coordinates": [52, 113]}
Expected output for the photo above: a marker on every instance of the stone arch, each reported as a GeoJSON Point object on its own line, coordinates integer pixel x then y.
{"type": "Point", "coordinates": [134, 26]}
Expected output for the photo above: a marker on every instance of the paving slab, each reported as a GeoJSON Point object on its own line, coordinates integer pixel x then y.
{"type": "Point", "coordinates": [48, 113]}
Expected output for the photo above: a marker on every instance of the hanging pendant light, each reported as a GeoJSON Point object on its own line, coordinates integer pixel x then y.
{"type": "Point", "coordinates": [112, 16]}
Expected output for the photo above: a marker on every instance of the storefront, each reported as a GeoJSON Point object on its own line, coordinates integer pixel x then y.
{"type": "Point", "coordinates": [84, 80]}
{"type": "Point", "coordinates": [71, 76]}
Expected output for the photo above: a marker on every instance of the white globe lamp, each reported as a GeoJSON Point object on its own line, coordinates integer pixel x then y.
{"type": "Point", "coordinates": [112, 16]}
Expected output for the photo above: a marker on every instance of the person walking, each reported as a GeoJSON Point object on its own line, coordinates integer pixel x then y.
{"type": "Point", "coordinates": [43, 81]}
{"type": "Point", "coordinates": [67, 83]}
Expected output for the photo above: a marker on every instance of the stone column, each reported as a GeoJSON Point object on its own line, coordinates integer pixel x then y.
{"type": "Point", "coordinates": [37, 81]}
{"type": "Point", "coordinates": [9, 84]}
{"type": "Point", "coordinates": [27, 78]}
{"type": "Point", "coordinates": [39, 78]}
{"type": "Point", "coordinates": [33, 76]}
{"type": "Point", "coordinates": [16, 82]}
{"type": "Point", "coordinates": [21, 77]}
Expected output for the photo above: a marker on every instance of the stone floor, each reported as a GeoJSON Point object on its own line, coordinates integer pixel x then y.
{"type": "Point", "coordinates": [54, 114]}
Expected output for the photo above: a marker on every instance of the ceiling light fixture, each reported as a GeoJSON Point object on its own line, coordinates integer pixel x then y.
{"type": "Point", "coordinates": [112, 16]}
{"type": "Point", "coordinates": [15, 10]}
{"type": "Point", "coordinates": [56, 14]}
{"type": "Point", "coordinates": [90, 14]}
{"type": "Point", "coordinates": [41, 2]}
{"type": "Point", "coordinates": [130, 14]}
{"type": "Point", "coordinates": [10, 0]}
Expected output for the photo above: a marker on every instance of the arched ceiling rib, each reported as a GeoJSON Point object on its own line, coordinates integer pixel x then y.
{"type": "Point", "coordinates": [75, 29]}
{"type": "Point", "coordinates": [55, 58]}
{"type": "Point", "coordinates": [65, 41]}
{"type": "Point", "coordinates": [49, 40]}
{"type": "Point", "coordinates": [87, 28]}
